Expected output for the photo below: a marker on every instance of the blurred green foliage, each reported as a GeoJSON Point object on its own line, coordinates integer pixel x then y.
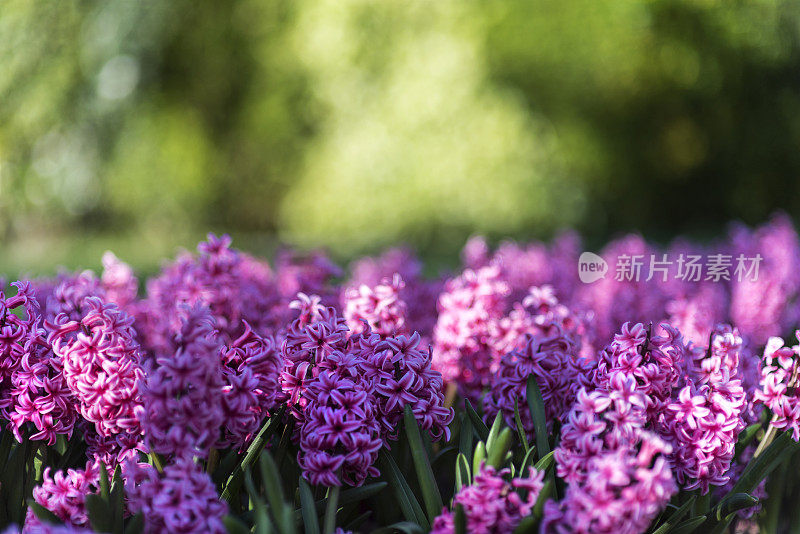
{"type": "Point", "coordinates": [362, 123]}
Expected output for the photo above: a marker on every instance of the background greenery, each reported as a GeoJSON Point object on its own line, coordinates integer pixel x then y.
{"type": "Point", "coordinates": [138, 126]}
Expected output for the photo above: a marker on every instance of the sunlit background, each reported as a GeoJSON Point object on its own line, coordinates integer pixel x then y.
{"type": "Point", "coordinates": [139, 126]}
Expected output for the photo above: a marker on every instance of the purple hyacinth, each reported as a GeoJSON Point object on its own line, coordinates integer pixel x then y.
{"type": "Point", "coordinates": [491, 504]}
{"type": "Point", "coordinates": [251, 365]}
{"type": "Point", "coordinates": [101, 364]}
{"type": "Point", "coordinates": [779, 381]}
{"type": "Point", "coordinates": [348, 391]}
{"type": "Point", "coordinates": [552, 359]}
{"type": "Point", "coordinates": [181, 500]}
{"type": "Point", "coordinates": [181, 407]}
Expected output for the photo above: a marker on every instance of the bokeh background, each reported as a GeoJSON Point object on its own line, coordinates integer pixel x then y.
{"type": "Point", "coordinates": [139, 126]}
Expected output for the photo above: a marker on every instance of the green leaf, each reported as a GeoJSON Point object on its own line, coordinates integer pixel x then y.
{"type": "Point", "coordinates": [427, 482]}
{"type": "Point", "coordinates": [478, 457]}
{"type": "Point", "coordinates": [310, 519]}
{"type": "Point", "coordinates": [463, 476]}
{"type": "Point", "coordinates": [459, 520]}
{"type": "Point", "coordinates": [234, 481]}
{"type": "Point", "coordinates": [100, 514]}
{"type": "Point", "coordinates": [105, 484]}
{"type": "Point", "coordinates": [409, 505]}
{"type": "Point", "coordinates": [763, 464]}
{"type": "Point", "coordinates": [234, 525]}
{"type": "Point", "coordinates": [499, 447]}
{"type": "Point", "coordinates": [676, 517]}
{"type": "Point", "coordinates": [734, 503]}
{"type": "Point", "coordinates": [689, 525]}
{"type": "Point", "coordinates": [528, 525]}
{"type": "Point", "coordinates": [405, 527]}
{"type": "Point", "coordinates": [355, 524]}
{"type": "Point", "coordinates": [527, 461]}
{"type": "Point", "coordinates": [523, 437]}
{"type": "Point", "coordinates": [546, 462]}
{"type": "Point", "coordinates": [465, 439]}
{"type": "Point", "coordinates": [494, 432]}
{"type": "Point", "coordinates": [477, 422]}
{"type": "Point", "coordinates": [331, 508]}
{"type": "Point", "coordinates": [117, 500]}
{"type": "Point", "coordinates": [746, 437]}
{"type": "Point", "coordinates": [44, 515]}
{"type": "Point", "coordinates": [544, 495]}
{"type": "Point", "coordinates": [536, 407]}
{"type": "Point", "coordinates": [136, 524]}
{"type": "Point", "coordinates": [272, 486]}
{"type": "Point", "coordinates": [262, 522]}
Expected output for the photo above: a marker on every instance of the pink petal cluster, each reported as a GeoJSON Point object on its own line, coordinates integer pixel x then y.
{"type": "Point", "coordinates": [622, 491]}
{"type": "Point", "coordinates": [65, 493]}
{"type": "Point", "coordinates": [378, 308]}
{"type": "Point", "coordinates": [779, 384]}
{"type": "Point", "coordinates": [101, 365]}
{"type": "Point", "coordinates": [32, 385]}
{"type": "Point", "coordinates": [491, 504]}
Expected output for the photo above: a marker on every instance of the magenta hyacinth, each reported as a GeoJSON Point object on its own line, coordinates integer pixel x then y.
{"type": "Point", "coordinates": [64, 494]}
{"type": "Point", "coordinates": [101, 365]}
{"type": "Point", "coordinates": [379, 308]}
{"type": "Point", "coordinates": [491, 504]}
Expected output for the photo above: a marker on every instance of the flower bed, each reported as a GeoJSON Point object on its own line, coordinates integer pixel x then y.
{"type": "Point", "coordinates": [517, 395]}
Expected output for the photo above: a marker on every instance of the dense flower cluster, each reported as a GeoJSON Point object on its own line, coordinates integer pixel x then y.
{"type": "Point", "coordinates": [348, 391]}
{"type": "Point", "coordinates": [101, 365]}
{"type": "Point", "coordinates": [622, 492]}
{"type": "Point", "coordinates": [65, 493]}
{"type": "Point", "coordinates": [181, 500]}
{"type": "Point", "coordinates": [182, 394]}
{"type": "Point", "coordinates": [647, 381]}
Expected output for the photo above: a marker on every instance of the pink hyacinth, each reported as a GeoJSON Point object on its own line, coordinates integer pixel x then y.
{"type": "Point", "coordinates": [64, 494]}
{"type": "Point", "coordinates": [101, 363]}
{"type": "Point", "coordinates": [779, 381]}
{"type": "Point", "coordinates": [623, 490]}
{"type": "Point", "coordinates": [181, 500]}
{"type": "Point", "coordinates": [251, 365]}
{"type": "Point", "coordinates": [32, 386]}
{"type": "Point", "coordinates": [491, 504]}
{"type": "Point", "coordinates": [379, 308]}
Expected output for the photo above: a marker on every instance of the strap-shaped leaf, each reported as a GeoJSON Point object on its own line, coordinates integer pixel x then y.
{"type": "Point", "coordinates": [135, 524]}
{"type": "Point", "coordinates": [546, 462]}
{"type": "Point", "coordinates": [463, 476]}
{"type": "Point", "coordinates": [100, 514]}
{"type": "Point", "coordinates": [523, 437]}
{"type": "Point", "coordinates": [478, 457]}
{"type": "Point", "coordinates": [536, 407]}
{"type": "Point", "coordinates": [676, 517]}
{"type": "Point", "coordinates": [477, 423]}
{"type": "Point", "coordinates": [331, 507]}
{"type": "Point", "coordinates": [309, 511]}
{"type": "Point", "coordinates": [409, 505]}
{"type": "Point", "coordinates": [688, 526]}
{"type": "Point", "coordinates": [234, 525]}
{"type": "Point", "coordinates": [427, 483]}
{"type": "Point", "coordinates": [499, 448]}
{"type": "Point", "coordinates": [459, 520]}
{"type": "Point", "coordinates": [44, 515]}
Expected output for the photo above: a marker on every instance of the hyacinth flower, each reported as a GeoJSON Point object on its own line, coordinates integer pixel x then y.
{"type": "Point", "coordinates": [378, 308]}
{"type": "Point", "coordinates": [181, 407]}
{"type": "Point", "coordinates": [180, 500]}
{"type": "Point", "coordinates": [101, 365]}
{"type": "Point", "coordinates": [552, 359]}
{"type": "Point", "coordinates": [622, 490]}
{"type": "Point", "coordinates": [348, 392]}
{"type": "Point", "coordinates": [64, 494]}
{"type": "Point", "coordinates": [33, 390]}
{"type": "Point", "coordinates": [491, 504]}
